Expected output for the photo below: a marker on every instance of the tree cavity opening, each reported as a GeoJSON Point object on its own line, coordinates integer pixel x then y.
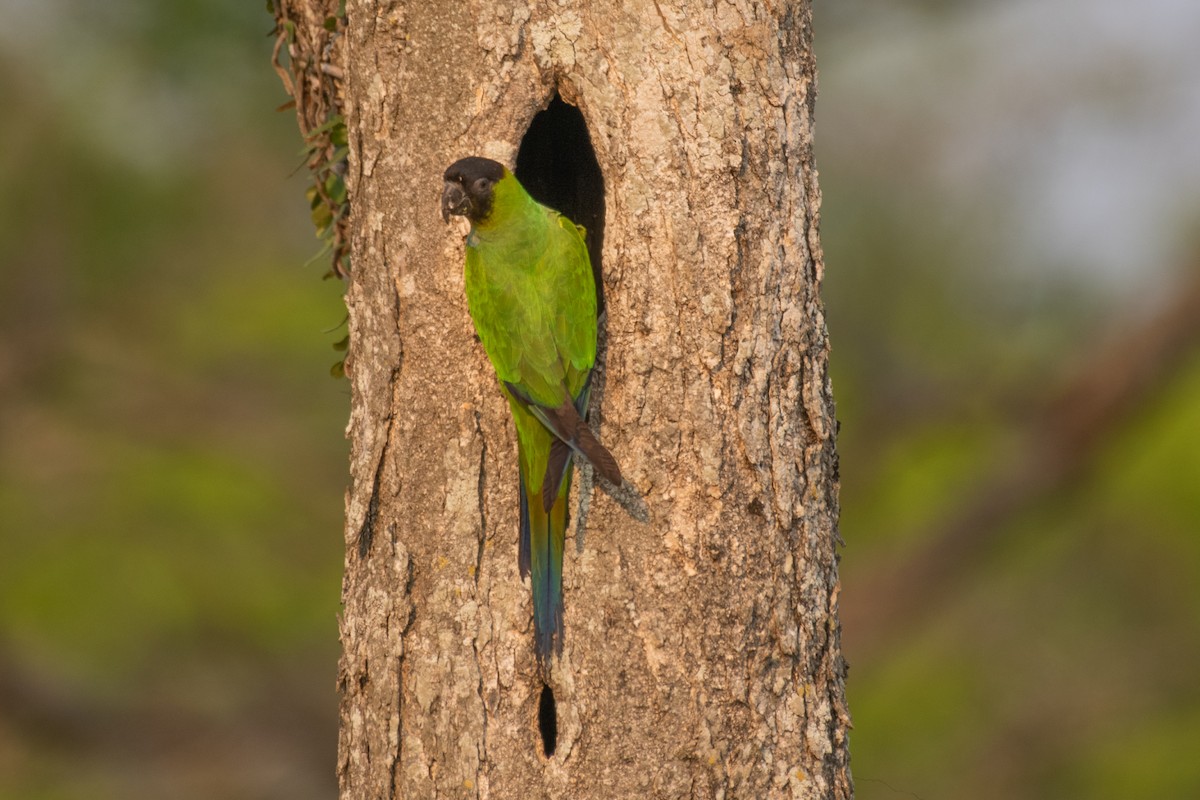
{"type": "Point", "coordinates": [557, 166]}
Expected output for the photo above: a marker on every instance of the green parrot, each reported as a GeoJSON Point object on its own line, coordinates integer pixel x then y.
{"type": "Point", "coordinates": [532, 297]}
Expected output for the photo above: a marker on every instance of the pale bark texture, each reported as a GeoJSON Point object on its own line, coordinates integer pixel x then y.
{"type": "Point", "coordinates": [702, 653]}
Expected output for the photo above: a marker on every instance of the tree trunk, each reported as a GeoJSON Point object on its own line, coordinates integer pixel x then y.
{"type": "Point", "coordinates": [702, 654]}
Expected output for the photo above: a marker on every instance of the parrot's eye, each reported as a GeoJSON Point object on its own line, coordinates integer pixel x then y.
{"type": "Point", "coordinates": [482, 185]}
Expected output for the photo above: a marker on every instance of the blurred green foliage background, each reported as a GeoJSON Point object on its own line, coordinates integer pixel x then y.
{"type": "Point", "coordinates": [1011, 193]}
{"type": "Point", "coordinates": [173, 462]}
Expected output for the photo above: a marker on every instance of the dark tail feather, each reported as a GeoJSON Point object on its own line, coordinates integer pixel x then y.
{"type": "Point", "coordinates": [598, 455]}
{"type": "Point", "coordinates": [559, 462]}
{"type": "Point", "coordinates": [568, 427]}
{"type": "Point", "coordinates": [557, 465]}
{"type": "Point", "coordinates": [566, 423]}
{"type": "Point", "coordinates": [523, 538]}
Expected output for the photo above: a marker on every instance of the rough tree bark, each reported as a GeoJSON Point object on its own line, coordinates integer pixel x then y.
{"type": "Point", "coordinates": [702, 652]}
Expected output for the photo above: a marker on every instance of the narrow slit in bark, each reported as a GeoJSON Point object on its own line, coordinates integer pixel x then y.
{"type": "Point", "coordinates": [548, 721]}
{"type": "Point", "coordinates": [558, 167]}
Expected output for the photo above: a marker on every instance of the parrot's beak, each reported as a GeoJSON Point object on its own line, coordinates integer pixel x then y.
{"type": "Point", "coordinates": [454, 201]}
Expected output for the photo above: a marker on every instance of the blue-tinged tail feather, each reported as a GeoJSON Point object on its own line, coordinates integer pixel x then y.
{"type": "Point", "coordinates": [547, 539]}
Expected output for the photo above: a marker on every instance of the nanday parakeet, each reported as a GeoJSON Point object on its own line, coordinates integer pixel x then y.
{"type": "Point", "coordinates": [532, 297]}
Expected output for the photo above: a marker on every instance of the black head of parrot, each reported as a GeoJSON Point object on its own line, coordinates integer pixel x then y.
{"type": "Point", "coordinates": [468, 189]}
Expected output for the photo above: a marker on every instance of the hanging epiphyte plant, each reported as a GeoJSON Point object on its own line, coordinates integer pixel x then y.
{"type": "Point", "coordinates": [311, 72]}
